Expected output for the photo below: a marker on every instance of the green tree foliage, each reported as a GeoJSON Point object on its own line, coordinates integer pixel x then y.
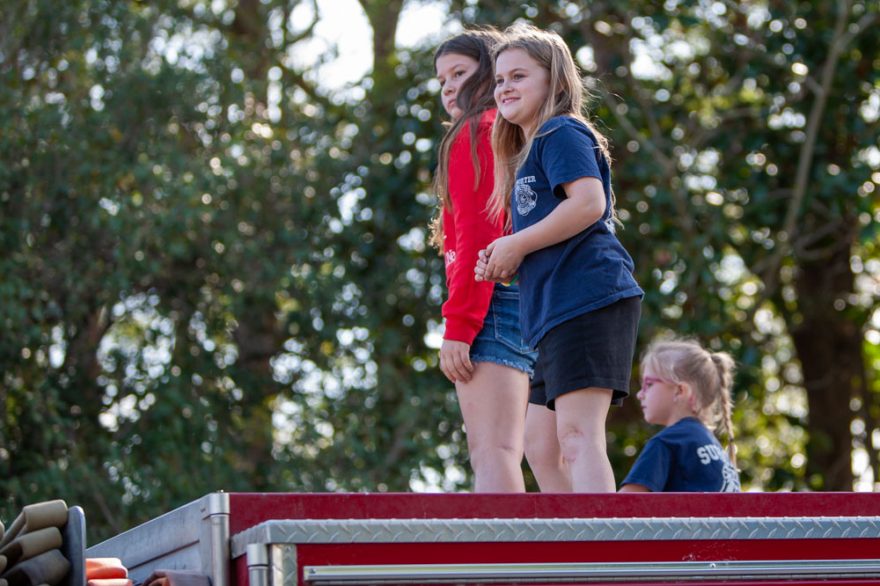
{"type": "Point", "coordinates": [214, 269]}
{"type": "Point", "coordinates": [194, 297]}
{"type": "Point", "coordinates": [746, 147]}
{"type": "Point", "coordinates": [754, 150]}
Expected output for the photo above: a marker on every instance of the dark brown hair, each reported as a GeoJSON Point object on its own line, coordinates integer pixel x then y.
{"type": "Point", "coordinates": [474, 98]}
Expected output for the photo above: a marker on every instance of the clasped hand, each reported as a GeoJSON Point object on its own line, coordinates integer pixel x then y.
{"type": "Point", "coordinates": [499, 261]}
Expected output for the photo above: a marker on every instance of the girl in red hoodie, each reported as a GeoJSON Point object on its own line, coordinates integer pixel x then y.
{"type": "Point", "coordinates": [483, 352]}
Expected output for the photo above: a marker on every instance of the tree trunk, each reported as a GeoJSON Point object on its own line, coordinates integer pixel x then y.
{"type": "Point", "coordinates": [829, 345]}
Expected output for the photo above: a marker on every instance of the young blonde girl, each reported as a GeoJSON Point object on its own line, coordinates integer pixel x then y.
{"type": "Point", "coordinates": [686, 389]}
{"type": "Point", "coordinates": [579, 301]}
{"type": "Point", "coordinates": [483, 353]}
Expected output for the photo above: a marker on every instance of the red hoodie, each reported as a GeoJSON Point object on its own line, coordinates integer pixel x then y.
{"type": "Point", "coordinates": [467, 229]}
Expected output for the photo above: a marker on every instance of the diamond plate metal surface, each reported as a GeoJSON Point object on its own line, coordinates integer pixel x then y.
{"type": "Point", "coordinates": [525, 530]}
{"type": "Point", "coordinates": [284, 567]}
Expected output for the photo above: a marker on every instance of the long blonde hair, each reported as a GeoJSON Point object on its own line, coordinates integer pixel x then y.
{"type": "Point", "coordinates": [709, 375]}
{"type": "Point", "coordinates": [474, 97]}
{"type": "Point", "coordinates": [566, 97]}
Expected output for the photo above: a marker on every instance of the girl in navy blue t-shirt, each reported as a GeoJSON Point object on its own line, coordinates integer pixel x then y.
{"type": "Point", "coordinates": [579, 302]}
{"type": "Point", "coordinates": [686, 389]}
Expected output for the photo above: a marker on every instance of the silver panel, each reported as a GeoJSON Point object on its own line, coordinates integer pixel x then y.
{"type": "Point", "coordinates": [169, 542]}
{"type": "Point", "coordinates": [590, 572]}
{"type": "Point", "coordinates": [526, 530]}
{"type": "Point", "coordinates": [192, 537]}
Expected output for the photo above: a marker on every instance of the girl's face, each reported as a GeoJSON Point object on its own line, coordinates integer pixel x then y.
{"type": "Point", "coordinates": [522, 86]}
{"type": "Point", "coordinates": [452, 71]}
{"type": "Point", "coordinates": [657, 397]}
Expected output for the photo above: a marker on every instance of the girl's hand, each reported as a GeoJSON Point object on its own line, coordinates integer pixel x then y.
{"type": "Point", "coordinates": [455, 361]}
{"type": "Point", "coordinates": [503, 257]}
{"type": "Point", "coordinates": [480, 267]}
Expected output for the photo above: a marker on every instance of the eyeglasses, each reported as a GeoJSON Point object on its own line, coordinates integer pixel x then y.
{"type": "Point", "coordinates": [651, 380]}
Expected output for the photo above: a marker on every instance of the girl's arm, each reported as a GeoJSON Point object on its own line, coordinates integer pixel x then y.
{"type": "Point", "coordinates": [583, 206]}
{"type": "Point", "coordinates": [634, 488]}
{"type": "Point", "coordinates": [468, 301]}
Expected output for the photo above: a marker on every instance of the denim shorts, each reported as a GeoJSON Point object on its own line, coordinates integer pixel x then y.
{"type": "Point", "coordinates": [500, 341]}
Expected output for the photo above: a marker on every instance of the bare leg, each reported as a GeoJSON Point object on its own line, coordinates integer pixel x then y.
{"type": "Point", "coordinates": [493, 404]}
{"type": "Point", "coordinates": [580, 427]}
{"type": "Point", "coordinates": [543, 452]}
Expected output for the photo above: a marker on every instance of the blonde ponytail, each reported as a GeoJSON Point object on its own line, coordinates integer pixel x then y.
{"type": "Point", "coordinates": [709, 374]}
{"type": "Point", "coordinates": [724, 366]}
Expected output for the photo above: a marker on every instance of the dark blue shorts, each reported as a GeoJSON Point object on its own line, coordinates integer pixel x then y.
{"type": "Point", "coordinates": [500, 341]}
{"type": "Point", "coordinates": [591, 350]}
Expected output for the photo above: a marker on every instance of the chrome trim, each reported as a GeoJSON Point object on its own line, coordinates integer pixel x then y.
{"type": "Point", "coordinates": [214, 539]}
{"type": "Point", "coordinates": [591, 572]}
{"type": "Point", "coordinates": [257, 565]}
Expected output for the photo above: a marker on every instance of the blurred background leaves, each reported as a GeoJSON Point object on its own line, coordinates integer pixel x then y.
{"type": "Point", "coordinates": [215, 272]}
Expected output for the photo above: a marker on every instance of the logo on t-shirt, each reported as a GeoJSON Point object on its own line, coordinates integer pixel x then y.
{"type": "Point", "coordinates": [525, 197]}
{"type": "Point", "coordinates": [450, 257]}
{"type": "Point", "coordinates": [730, 479]}
{"type": "Point", "coordinates": [708, 453]}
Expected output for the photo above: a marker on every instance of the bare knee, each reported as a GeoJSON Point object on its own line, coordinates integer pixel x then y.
{"type": "Point", "coordinates": [541, 449]}
{"type": "Point", "coordinates": [486, 453]}
{"type": "Point", "coordinates": [576, 443]}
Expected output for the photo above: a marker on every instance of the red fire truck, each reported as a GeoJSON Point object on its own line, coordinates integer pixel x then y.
{"type": "Point", "coordinates": [279, 539]}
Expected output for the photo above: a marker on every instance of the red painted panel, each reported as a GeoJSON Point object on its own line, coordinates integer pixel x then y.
{"type": "Point", "coordinates": [249, 509]}
{"type": "Point", "coordinates": [239, 574]}
{"type": "Point", "coordinates": [602, 552]}
{"type": "Point", "coordinates": [829, 582]}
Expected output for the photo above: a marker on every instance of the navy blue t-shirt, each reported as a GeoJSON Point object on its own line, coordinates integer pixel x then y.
{"type": "Point", "coordinates": [684, 457]}
{"type": "Point", "coordinates": [586, 272]}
